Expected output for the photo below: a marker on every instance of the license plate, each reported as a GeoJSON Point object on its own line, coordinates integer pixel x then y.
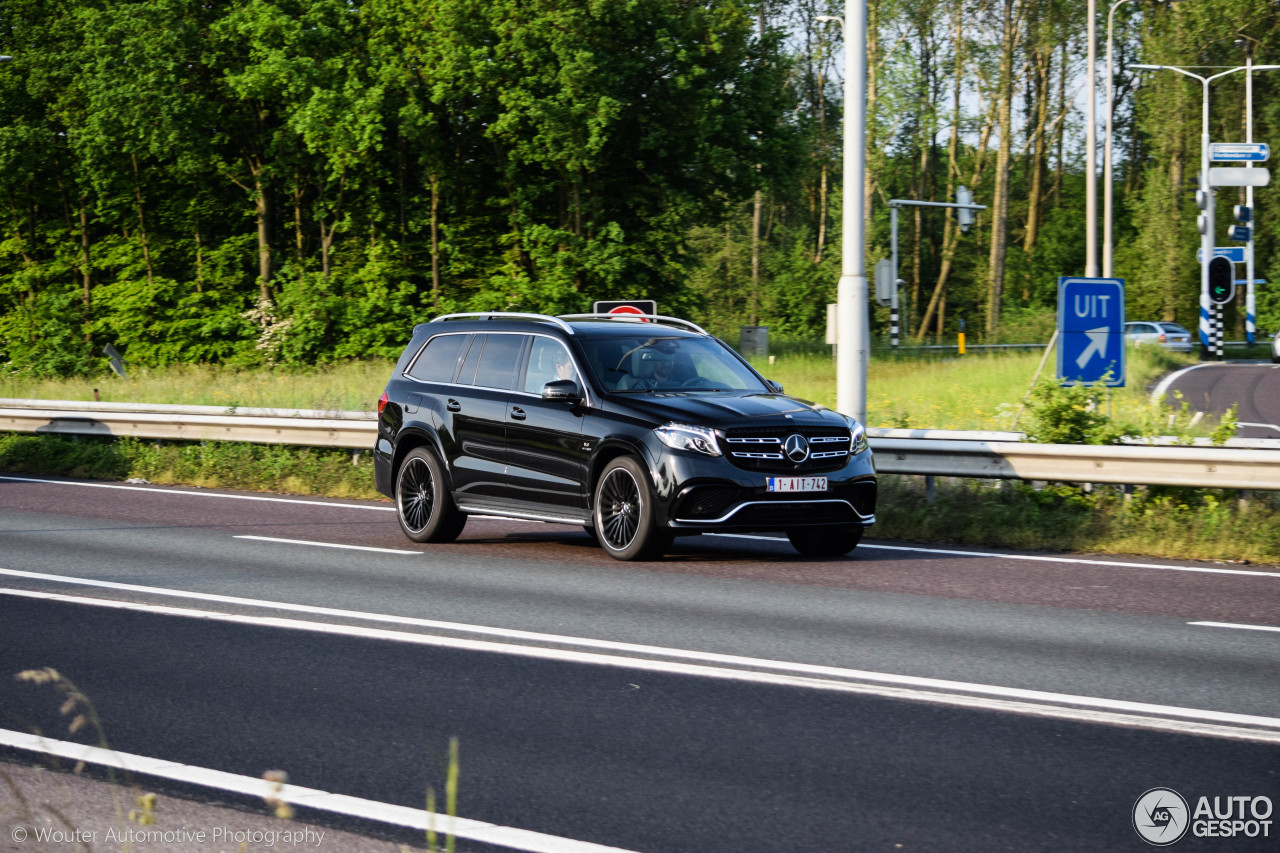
{"type": "Point", "coordinates": [796, 484]}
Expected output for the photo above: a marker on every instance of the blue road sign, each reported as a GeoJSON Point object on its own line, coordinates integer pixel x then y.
{"type": "Point", "coordinates": [1091, 331]}
{"type": "Point", "coordinates": [1236, 152]}
{"type": "Point", "coordinates": [1235, 254]}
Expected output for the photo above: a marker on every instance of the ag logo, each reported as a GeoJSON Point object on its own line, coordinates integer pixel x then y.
{"type": "Point", "coordinates": [796, 448]}
{"type": "Point", "coordinates": [1160, 816]}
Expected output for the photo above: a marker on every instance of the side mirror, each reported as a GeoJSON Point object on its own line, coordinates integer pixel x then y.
{"type": "Point", "coordinates": [561, 391]}
{"type": "Point", "coordinates": [775, 387]}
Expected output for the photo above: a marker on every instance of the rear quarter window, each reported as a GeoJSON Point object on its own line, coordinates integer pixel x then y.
{"type": "Point", "coordinates": [438, 360]}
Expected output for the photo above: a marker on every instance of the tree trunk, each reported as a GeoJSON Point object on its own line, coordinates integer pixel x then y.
{"type": "Point", "coordinates": [753, 298]}
{"type": "Point", "coordinates": [86, 274]}
{"type": "Point", "coordinates": [262, 213]}
{"type": "Point", "coordinates": [199, 261]}
{"type": "Point", "coordinates": [1044, 71]}
{"type": "Point", "coordinates": [142, 227]}
{"type": "Point", "coordinates": [1000, 199]}
{"type": "Point", "coordinates": [435, 241]}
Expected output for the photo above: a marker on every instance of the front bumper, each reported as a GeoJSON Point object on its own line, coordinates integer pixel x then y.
{"type": "Point", "coordinates": [704, 494]}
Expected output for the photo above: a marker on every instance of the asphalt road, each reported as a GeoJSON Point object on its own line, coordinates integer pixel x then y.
{"type": "Point", "coordinates": [733, 697]}
{"type": "Point", "coordinates": [1215, 387]}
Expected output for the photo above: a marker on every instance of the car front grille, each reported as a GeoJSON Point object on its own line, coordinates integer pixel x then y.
{"type": "Point", "coordinates": [740, 506]}
{"type": "Point", "coordinates": [766, 449]}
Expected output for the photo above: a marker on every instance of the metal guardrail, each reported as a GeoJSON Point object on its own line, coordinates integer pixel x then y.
{"type": "Point", "coordinates": [941, 453]}
{"type": "Point", "coordinates": [352, 430]}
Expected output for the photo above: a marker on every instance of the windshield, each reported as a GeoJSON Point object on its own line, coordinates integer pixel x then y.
{"type": "Point", "coordinates": [643, 363]}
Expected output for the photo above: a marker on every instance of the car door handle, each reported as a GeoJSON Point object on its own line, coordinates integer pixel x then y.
{"type": "Point", "coordinates": [517, 413]}
{"type": "Point", "coordinates": [453, 405]}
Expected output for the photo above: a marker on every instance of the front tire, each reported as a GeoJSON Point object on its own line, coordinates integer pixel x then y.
{"type": "Point", "coordinates": [424, 508]}
{"type": "Point", "coordinates": [830, 541]}
{"type": "Point", "coordinates": [622, 513]}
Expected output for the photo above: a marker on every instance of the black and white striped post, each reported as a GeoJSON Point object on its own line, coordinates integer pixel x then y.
{"type": "Point", "coordinates": [963, 206]}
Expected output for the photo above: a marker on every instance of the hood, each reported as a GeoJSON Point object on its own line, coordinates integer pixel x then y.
{"type": "Point", "coordinates": [726, 410]}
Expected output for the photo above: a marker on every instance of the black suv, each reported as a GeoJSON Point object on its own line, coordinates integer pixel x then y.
{"type": "Point", "coordinates": [636, 428]}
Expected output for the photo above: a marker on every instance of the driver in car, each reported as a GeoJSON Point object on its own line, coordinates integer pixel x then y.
{"type": "Point", "coordinates": [656, 368]}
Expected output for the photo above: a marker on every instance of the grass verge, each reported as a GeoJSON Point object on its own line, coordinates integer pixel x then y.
{"type": "Point", "coordinates": [1204, 524]}
{"type": "Point", "coordinates": [224, 465]}
{"type": "Point", "coordinates": [1176, 523]}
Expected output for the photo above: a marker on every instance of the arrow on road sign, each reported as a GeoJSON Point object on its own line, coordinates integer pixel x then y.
{"type": "Point", "coordinates": [1097, 345]}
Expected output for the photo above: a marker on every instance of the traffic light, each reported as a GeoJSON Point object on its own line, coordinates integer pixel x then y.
{"type": "Point", "coordinates": [1222, 284]}
{"type": "Point", "coordinates": [964, 216]}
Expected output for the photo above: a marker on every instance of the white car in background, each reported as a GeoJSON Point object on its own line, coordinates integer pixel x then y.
{"type": "Point", "coordinates": [1171, 336]}
{"type": "Point", "coordinates": [1275, 347]}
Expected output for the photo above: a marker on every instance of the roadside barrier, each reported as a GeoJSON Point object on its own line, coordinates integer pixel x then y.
{"type": "Point", "coordinates": [1242, 464]}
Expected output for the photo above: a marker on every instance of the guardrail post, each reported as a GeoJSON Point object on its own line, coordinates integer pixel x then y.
{"type": "Point", "coordinates": [930, 489]}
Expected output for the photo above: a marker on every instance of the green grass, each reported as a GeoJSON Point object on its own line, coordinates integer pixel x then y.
{"type": "Point", "coordinates": [350, 385]}
{"type": "Point", "coordinates": [920, 390]}
{"type": "Point", "coordinates": [970, 392]}
{"type": "Point", "coordinates": [1176, 523]}
{"type": "Point", "coordinates": [214, 464]}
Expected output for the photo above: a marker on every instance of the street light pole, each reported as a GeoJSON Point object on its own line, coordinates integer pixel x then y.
{"type": "Point", "coordinates": [1250, 293]}
{"type": "Point", "coordinates": [1090, 152]}
{"type": "Point", "coordinates": [1107, 189]}
{"type": "Point", "coordinates": [853, 323]}
{"type": "Point", "coordinates": [1207, 237]}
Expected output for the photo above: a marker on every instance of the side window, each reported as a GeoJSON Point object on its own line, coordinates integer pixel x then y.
{"type": "Point", "coordinates": [439, 358]}
{"type": "Point", "coordinates": [499, 361]}
{"type": "Point", "coordinates": [548, 361]}
{"type": "Point", "coordinates": [467, 375]}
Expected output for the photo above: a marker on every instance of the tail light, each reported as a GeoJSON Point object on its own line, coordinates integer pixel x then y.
{"type": "Point", "coordinates": [382, 402]}
{"type": "Point", "coordinates": [1163, 338]}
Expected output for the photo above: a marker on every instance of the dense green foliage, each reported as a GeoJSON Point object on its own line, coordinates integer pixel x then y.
{"type": "Point", "coordinates": [299, 181]}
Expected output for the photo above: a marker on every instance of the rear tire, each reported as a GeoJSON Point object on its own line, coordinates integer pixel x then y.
{"type": "Point", "coordinates": [830, 541]}
{"type": "Point", "coordinates": [424, 508]}
{"type": "Point", "coordinates": [623, 515]}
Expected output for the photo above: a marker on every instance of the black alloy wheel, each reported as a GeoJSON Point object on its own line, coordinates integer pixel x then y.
{"type": "Point", "coordinates": [423, 507]}
{"type": "Point", "coordinates": [623, 513]}
{"type": "Point", "coordinates": [830, 540]}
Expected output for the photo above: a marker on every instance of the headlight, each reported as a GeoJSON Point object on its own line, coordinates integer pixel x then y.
{"type": "Point", "coordinates": [686, 437]}
{"type": "Point", "coordinates": [859, 435]}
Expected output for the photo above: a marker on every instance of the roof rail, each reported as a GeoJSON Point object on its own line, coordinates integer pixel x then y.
{"type": "Point", "coordinates": [506, 315]}
{"type": "Point", "coordinates": [633, 317]}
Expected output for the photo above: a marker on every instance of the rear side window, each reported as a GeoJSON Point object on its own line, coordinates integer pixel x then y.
{"type": "Point", "coordinates": [439, 358]}
{"type": "Point", "coordinates": [499, 360]}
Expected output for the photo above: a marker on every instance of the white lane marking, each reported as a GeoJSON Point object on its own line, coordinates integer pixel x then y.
{"type": "Point", "coordinates": [1238, 627]}
{"type": "Point", "coordinates": [1034, 558]}
{"type": "Point", "coordinates": [1263, 426]}
{"type": "Point", "coordinates": [326, 544]}
{"type": "Point", "coordinates": [1160, 390]}
{"type": "Point", "coordinates": [199, 494]}
{"type": "Point", "coordinates": [811, 676]}
{"type": "Point", "coordinates": [729, 535]}
{"type": "Point", "coordinates": [312, 798]}
{"type": "Point", "coordinates": [1111, 563]}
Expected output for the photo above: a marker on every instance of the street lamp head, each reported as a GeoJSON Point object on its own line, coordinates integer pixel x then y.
{"type": "Point", "coordinates": [828, 18]}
